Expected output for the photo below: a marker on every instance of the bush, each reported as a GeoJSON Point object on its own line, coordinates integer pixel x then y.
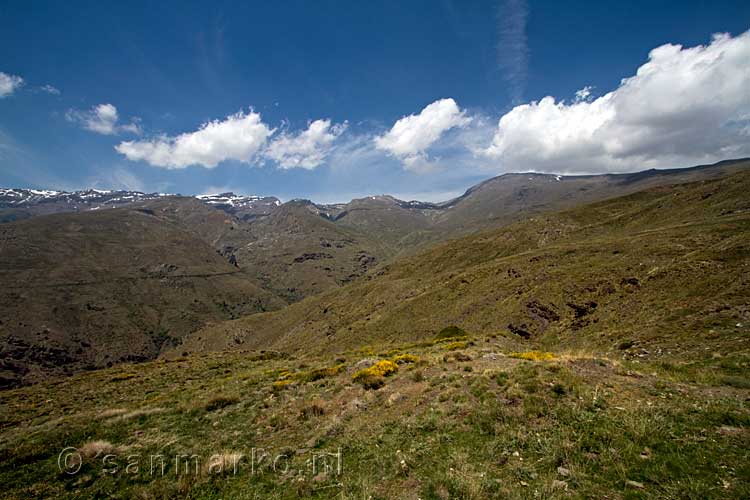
{"type": "Point", "coordinates": [457, 356]}
{"type": "Point", "coordinates": [454, 346]}
{"type": "Point", "coordinates": [379, 369]}
{"type": "Point", "coordinates": [559, 389]}
{"type": "Point", "coordinates": [314, 410]}
{"type": "Point", "coordinates": [450, 332]}
{"type": "Point", "coordinates": [280, 385]}
{"type": "Point", "coordinates": [219, 402]}
{"type": "Point", "coordinates": [405, 358]}
{"type": "Point", "coordinates": [735, 381]}
{"type": "Point", "coordinates": [534, 355]}
{"type": "Point", "coordinates": [372, 382]}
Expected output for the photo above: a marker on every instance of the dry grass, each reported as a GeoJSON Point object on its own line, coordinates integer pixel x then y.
{"type": "Point", "coordinates": [94, 449]}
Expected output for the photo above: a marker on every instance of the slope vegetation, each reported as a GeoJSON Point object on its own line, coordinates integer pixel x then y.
{"type": "Point", "coordinates": [659, 272]}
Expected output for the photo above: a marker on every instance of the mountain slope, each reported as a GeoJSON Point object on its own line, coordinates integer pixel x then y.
{"type": "Point", "coordinates": [87, 290]}
{"type": "Point", "coordinates": [666, 266]}
{"type": "Point", "coordinates": [295, 252]}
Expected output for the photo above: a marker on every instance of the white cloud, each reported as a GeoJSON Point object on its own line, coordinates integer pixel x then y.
{"type": "Point", "coordinates": [412, 135]}
{"type": "Point", "coordinates": [50, 89]}
{"type": "Point", "coordinates": [685, 105]}
{"type": "Point", "coordinates": [9, 84]}
{"type": "Point", "coordinates": [102, 119]}
{"type": "Point", "coordinates": [238, 137]}
{"type": "Point", "coordinates": [308, 148]}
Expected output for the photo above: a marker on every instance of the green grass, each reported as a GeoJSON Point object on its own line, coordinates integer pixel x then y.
{"type": "Point", "coordinates": [502, 430]}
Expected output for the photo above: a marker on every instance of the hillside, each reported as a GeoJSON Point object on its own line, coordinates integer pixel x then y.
{"type": "Point", "coordinates": [658, 272]}
{"type": "Point", "coordinates": [298, 249]}
{"type": "Point", "coordinates": [600, 352]}
{"type": "Point", "coordinates": [87, 290]}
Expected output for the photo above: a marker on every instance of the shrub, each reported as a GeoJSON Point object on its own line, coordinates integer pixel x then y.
{"type": "Point", "coordinates": [454, 346]}
{"type": "Point", "coordinates": [314, 410]}
{"type": "Point", "coordinates": [219, 402]}
{"type": "Point", "coordinates": [280, 385]}
{"type": "Point", "coordinates": [372, 382]}
{"type": "Point", "coordinates": [450, 332]}
{"type": "Point", "coordinates": [534, 355]}
{"type": "Point", "coordinates": [379, 369]}
{"type": "Point", "coordinates": [405, 358]}
{"type": "Point", "coordinates": [321, 373]}
{"type": "Point", "coordinates": [501, 378]}
{"type": "Point", "coordinates": [735, 381]}
{"type": "Point", "coordinates": [457, 356]}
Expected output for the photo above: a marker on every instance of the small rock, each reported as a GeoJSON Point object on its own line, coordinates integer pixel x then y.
{"type": "Point", "coordinates": [516, 454]}
{"type": "Point", "coordinates": [563, 471]}
{"type": "Point", "coordinates": [634, 484]}
{"type": "Point", "coordinates": [524, 483]}
{"type": "Point", "coordinates": [646, 453]}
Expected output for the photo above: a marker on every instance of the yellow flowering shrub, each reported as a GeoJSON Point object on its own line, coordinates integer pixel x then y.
{"type": "Point", "coordinates": [454, 346]}
{"type": "Point", "coordinates": [280, 385]}
{"type": "Point", "coordinates": [401, 359]}
{"type": "Point", "coordinates": [379, 369]}
{"type": "Point", "coordinates": [534, 355]}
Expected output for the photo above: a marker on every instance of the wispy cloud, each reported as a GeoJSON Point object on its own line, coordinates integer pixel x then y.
{"type": "Point", "coordinates": [49, 89]}
{"type": "Point", "coordinates": [512, 48]}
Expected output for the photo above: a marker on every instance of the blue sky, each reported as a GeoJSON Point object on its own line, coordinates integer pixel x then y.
{"type": "Point", "coordinates": [334, 100]}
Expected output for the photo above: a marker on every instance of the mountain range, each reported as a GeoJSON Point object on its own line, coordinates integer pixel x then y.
{"type": "Point", "coordinates": [94, 278]}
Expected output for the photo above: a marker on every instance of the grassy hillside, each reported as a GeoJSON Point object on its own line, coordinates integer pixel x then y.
{"type": "Point", "coordinates": [84, 291]}
{"type": "Point", "coordinates": [658, 273]}
{"type": "Point", "coordinates": [464, 418]}
{"type": "Point", "coordinates": [599, 352]}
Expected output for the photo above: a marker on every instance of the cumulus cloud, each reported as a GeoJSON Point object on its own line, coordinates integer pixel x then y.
{"type": "Point", "coordinates": [307, 149]}
{"type": "Point", "coordinates": [9, 84]}
{"type": "Point", "coordinates": [103, 119]}
{"type": "Point", "coordinates": [684, 105]}
{"type": "Point", "coordinates": [238, 137]}
{"type": "Point", "coordinates": [412, 135]}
